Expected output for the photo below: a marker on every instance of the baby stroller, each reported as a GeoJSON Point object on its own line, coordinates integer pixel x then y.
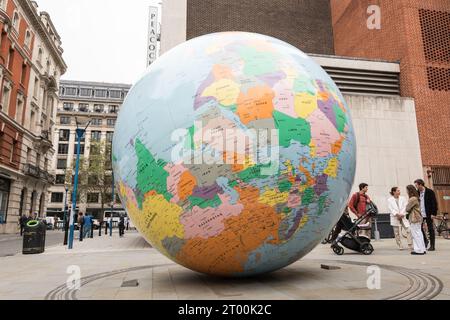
{"type": "Point", "coordinates": [351, 239]}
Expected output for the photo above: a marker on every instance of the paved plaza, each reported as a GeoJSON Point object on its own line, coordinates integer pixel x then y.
{"type": "Point", "coordinates": [128, 268]}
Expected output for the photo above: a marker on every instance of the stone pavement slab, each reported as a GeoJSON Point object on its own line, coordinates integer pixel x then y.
{"type": "Point", "coordinates": [106, 262]}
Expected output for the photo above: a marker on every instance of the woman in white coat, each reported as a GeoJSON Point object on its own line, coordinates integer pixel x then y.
{"type": "Point", "coordinates": [397, 207]}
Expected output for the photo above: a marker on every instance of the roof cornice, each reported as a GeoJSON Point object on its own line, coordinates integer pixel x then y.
{"type": "Point", "coordinates": [35, 19]}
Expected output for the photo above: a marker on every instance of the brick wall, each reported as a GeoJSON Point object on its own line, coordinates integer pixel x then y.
{"type": "Point", "coordinates": [305, 24]}
{"type": "Point", "coordinates": [401, 39]}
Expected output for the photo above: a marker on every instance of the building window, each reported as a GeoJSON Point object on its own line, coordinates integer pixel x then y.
{"type": "Point", "coordinates": [92, 197]}
{"type": "Point", "coordinates": [4, 198]}
{"type": "Point", "coordinates": [39, 57]}
{"type": "Point", "coordinates": [96, 122]}
{"type": "Point", "coordinates": [63, 148]}
{"type": "Point", "coordinates": [28, 38]}
{"type": "Point", "coordinates": [6, 96]}
{"type": "Point", "coordinates": [83, 107]}
{"type": "Point", "coordinates": [96, 135]}
{"type": "Point", "coordinates": [111, 122]}
{"type": "Point", "coordinates": [100, 93]}
{"type": "Point", "coordinates": [68, 106]}
{"type": "Point", "coordinates": [38, 160]}
{"type": "Point", "coordinates": [57, 197]}
{"type": "Point", "coordinates": [70, 91]}
{"type": "Point", "coordinates": [24, 74]}
{"type": "Point", "coordinates": [64, 135]}
{"type": "Point", "coordinates": [32, 121]}
{"type": "Point", "coordinates": [16, 20]}
{"type": "Point", "coordinates": [64, 120]}
{"type": "Point", "coordinates": [98, 108]}
{"type": "Point", "coordinates": [36, 87]}
{"type": "Point", "coordinates": [81, 149]}
{"type": "Point", "coordinates": [113, 108]}
{"type": "Point", "coordinates": [11, 60]}
{"type": "Point", "coordinates": [60, 179]}
{"type": "Point", "coordinates": [13, 151]}
{"type": "Point", "coordinates": [61, 164]}
{"type": "Point", "coordinates": [109, 136]}
{"type": "Point", "coordinates": [85, 92]}
{"type": "Point", "coordinates": [115, 94]}
{"type": "Point", "coordinates": [19, 109]}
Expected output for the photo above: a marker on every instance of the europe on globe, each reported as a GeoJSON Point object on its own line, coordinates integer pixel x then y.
{"type": "Point", "coordinates": [234, 155]}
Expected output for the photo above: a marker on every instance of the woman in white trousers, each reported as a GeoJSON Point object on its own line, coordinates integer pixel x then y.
{"type": "Point", "coordinates": [397, 208]}
{"type": "Point", "coordinates": [415, 220]}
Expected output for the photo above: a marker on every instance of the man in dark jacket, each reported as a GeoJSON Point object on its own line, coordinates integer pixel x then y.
{"type": "Point", "coordinates": [429, 208]}
{"type": "Point", "coordinates": [22, 222]}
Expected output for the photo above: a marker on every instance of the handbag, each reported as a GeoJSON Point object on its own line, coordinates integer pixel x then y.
{"type": "Point", "coordinates": [416, 216]}
{"type": "Point", "coordinates": [371, 209]}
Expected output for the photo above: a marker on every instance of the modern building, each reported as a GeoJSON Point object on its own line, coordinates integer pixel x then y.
{"type": "Point", "coordinates": [305, 24]}
{"type": "Point", "coordinates": [417, 34]}
{"type": "Point", "coordinates": [82, 101]}
{"type": "Point", "coordinates": [384, 118]}
{"type": "Point", "coordinates": [31, 64]}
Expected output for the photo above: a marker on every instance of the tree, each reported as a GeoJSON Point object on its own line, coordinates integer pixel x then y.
{"type": "Point", "coordinates": [94, 175]}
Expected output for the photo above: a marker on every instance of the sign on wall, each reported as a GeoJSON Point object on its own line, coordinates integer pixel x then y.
{"type": "Point", "coordinates": [152, 50]}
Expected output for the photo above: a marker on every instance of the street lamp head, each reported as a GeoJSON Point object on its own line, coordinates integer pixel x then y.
{"type": "Point", "coordinates": [83, 122]}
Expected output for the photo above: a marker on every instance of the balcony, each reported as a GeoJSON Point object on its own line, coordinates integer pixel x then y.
{"type": "Point", "coordinates": [31, 170]}
{"type": "Point", "coordinates": [38, 173]}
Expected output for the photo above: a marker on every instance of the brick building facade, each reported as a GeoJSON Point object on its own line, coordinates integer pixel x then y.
{"type": "Point", "coordinates": [30, 66]}
{"type": "Point", "coordinates": [303, 23]}
{"type": "Point", "coordinates": [416, 33]}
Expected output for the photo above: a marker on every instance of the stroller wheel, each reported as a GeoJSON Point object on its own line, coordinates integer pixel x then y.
{"type": "Point", "coordinates": [338, 250]}
{"type": "Point", "coordinates": [366, 249]}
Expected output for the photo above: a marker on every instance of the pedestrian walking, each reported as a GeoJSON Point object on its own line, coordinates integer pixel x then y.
{"type": "Point", "coordinates": [87, 226]}
{"type": "Point", "coordinates": [121, 226]}
{"type": "Point", "coordinates": [397, 207]}
{"type": "Point", "coordinates": [429, 209]}
{"type": "Point", "coordinates": [22, 222]}
{"type": "Point", "coordinates": [415, 219]}
{"type": "Point", "coordinates": [55, 223]}
{"type": "Point", "coordinates": [358, 205]}
{"type": "Point", "coordinates": [80, 221]}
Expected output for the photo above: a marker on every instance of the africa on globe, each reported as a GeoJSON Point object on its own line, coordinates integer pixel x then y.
{"type": "Point", "coordinates": [234, 155]}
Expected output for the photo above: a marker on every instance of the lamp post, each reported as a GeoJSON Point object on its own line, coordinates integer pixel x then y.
{"type": "Point", "coordinates": [66, 225]}
{"type": "Point", "coordinates": [80, 133]}
{"type": "Point", "coordinates": [112, 197]}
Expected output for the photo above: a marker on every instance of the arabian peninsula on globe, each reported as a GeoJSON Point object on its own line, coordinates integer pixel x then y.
{"type": "Point", "coordinates": [234, 155]}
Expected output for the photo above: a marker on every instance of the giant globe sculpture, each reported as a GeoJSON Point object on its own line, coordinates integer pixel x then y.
{"type": "Point", "coordinates": [234, 154]}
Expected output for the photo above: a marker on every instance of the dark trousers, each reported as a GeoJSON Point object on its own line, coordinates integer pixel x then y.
{"type": "Point", "coordinates": [121, 230]}
{"type": "Point", "coordinates": [81, 233]}
{"type": "Point", "coordinates": [21, 229]}
{"type": "Point", "coordinates": [430, 226]}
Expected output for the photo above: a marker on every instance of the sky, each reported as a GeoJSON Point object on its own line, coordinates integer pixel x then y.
{"type": "Point", "coordinates": [103, 40]}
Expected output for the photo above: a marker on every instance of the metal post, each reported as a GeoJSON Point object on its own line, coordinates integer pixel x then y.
{"type": "Point", "coordinates": [112, 206]}
{"type": "Point", "coordinates": [66, 225]}
{"type": "Point", "coordinates": [80, 132]}
{"type": "Point", "coordinates": [377, 233]}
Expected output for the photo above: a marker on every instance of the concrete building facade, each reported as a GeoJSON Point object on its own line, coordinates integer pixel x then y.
{"type": "Point", "coordinates": [384, 119]}
{"type": "Point", "coordinates": [31, 64]}
{"type": "Point", "coordinates": [98, 102]}
{"type": "Point", "coordinates": [417, 34]}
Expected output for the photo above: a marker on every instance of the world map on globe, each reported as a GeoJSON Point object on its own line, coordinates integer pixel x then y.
{"type": "Point", "coordinates": [234, 155]}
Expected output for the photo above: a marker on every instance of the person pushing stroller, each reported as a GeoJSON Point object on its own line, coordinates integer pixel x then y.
{"type": "Point", "coordinates": [357, 235]}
